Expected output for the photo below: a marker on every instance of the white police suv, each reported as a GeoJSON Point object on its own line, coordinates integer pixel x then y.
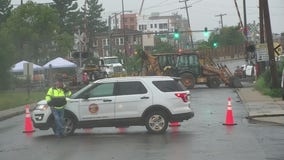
{"type": "Point", "coordinates": [151, 101]}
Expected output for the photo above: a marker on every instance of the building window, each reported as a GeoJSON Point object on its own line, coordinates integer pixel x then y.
{"type": "Point", "coordinates": [155, 25]}
{"type": "Point", "coordinates": [142, 27]}
{"type": "Point", "coordinates": [121, 41]}
{"type": "Point", "coordinates": [116, 41]}
{"type": "Point", "coordinates": [95, 43]}
{"type": "Point", "coordinates": [163, 26]}
{"type": "Point", "coordinates": [105, 42]}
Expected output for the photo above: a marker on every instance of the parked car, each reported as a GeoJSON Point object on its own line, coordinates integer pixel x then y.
{"type": "Point", "coordinates": [151, 101]}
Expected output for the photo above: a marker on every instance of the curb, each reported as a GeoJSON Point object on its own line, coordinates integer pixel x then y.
{"type": "Point", "coordinates": [6, 114]}
{"type": "Point", "coordinates": [9, 113]}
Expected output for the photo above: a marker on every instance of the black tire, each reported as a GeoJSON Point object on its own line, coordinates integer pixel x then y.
{"type": "Point", "coordinates": [69, 126]}
{"type": "Point", "coordinates": [188, 80]}
{"type": "Point", "coordinates": [156, 122]}
{"type": "Point", "coordinates": [214, 82]}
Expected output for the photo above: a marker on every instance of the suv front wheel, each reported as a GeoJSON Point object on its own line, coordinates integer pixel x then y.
{"type": "Point", "coordinates": [69, 126]}
{"type": "Point", "coordinates": [156, 122]}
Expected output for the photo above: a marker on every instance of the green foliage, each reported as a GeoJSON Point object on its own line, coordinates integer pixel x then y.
{"type": "Point", "coordinates": [35, 38]}
{"type": "Point", "coordinates": [163, 47]}
{"type": "Point", "coordinates": [93, 14]}
{"type": "Point", "coordinates": [68, 14]}
{"type": "Point", "coordinates": [227, 36]}
{"type": "Point", "coordinates": [7, 52]}
{"type": "Point", "coordinates": [134, 62]}
{"type": "Point", "coordinates": [5, 10]}
{"type": "Point", "coordinates": [264, 83]}
{"type": "Point", "coordinates": [203, 45]}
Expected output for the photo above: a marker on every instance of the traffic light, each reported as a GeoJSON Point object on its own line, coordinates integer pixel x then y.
{"type": "Point", "coordinates": [176, 34]}
{"type": "Point", "coordinates": [215, 44]}
{"type": "Point", "coordinates": [206, 34]}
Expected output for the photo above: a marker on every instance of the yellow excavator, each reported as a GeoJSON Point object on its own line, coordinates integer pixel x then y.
{"type": "Point", "coordinates": [192, 68]}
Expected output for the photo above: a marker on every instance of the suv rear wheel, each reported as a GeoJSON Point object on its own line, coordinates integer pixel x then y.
{"type": "Point", "coordinates": [156, 122]}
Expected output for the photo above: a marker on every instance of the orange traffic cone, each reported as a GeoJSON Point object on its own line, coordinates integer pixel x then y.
{"type": "Point", "coordinates": [28, 121]}
{"type": "Point", "coordinates": [229, 116]}
{"type": "Point", "coordinates": [174, 124]}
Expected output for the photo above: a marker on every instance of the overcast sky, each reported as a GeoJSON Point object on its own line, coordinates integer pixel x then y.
{"type": "Point", "coordinates": [202, 13]}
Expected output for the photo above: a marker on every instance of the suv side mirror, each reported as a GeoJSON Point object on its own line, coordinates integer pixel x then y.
{"type": "Point", "coordinates": [85, 96]}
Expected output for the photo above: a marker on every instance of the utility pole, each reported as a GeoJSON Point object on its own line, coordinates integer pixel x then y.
{"type": "Point", "coordinates": [269, 41]}
{"type": "Point", "coordinates": [123, 24]}
{"type": "Point", "coordinates": [245, 20]}
{"type": "Point", "coordinates": [188, 21]}
{"type": "Point", "coordinates": [261, 28]}
{"type": "Point", "coordinates": [221, 18]}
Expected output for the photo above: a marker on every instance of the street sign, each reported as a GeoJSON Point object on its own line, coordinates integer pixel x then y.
{"type": "Point", "coordinates": [277, 49]}
{"type": "Point", "coordinates": [261, 52]}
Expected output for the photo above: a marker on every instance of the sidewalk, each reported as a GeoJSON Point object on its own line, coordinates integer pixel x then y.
{"type": "Point", "coordinates": [261, 107]}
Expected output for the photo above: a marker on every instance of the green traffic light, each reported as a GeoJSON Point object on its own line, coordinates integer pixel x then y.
{"type": "Point", "coordinates": [215, 44]}
{"type": "Point", "coordinates": [206, 33]}
{"type": "Point", "coordinates": [176, 34]}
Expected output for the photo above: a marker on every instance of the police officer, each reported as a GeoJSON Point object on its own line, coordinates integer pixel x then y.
{"type": "Point", "coordinates": [56, 99]}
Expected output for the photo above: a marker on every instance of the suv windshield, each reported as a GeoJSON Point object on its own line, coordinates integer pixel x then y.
{"type": "Point", "coordinates": [111, 60]}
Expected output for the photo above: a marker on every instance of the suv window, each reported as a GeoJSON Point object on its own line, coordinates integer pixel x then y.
{"type": "Point", "coordinates": [102, 90]}
{"type": "Point", "coordinates": [169, 86]}
{"type": "Point", "coordinates": [95, 90]}
{"type": "Point", "coordinates": [128, 88]}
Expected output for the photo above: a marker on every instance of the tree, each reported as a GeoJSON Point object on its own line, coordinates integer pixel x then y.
{"type": "Point", "coordinates": [227, 36]}
{"type": "Point", "coordinates": [6, 59]}
{"type": "Point", "coordinates": [92, 14]}
{"type": "Point", "coordinates": [164, 47]}
{"type": "Point", "coordinates": [68, 12]}
{"type": "Point", "coordinates": [32, 29]}
{"type": "Point", "coordinates": [5, 10]}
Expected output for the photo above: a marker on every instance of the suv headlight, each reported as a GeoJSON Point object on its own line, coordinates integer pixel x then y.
{"type": "Point", "coordinates": [41, 107]}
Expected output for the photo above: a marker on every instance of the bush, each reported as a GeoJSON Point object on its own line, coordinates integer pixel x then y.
{"type": "Point", "coordinates": [264, 83]}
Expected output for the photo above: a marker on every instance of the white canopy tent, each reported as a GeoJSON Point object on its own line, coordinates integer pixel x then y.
{"type": "Point", "coordinates": [19, 67]}
{"type": "Point", "coordinates": [59, 63]}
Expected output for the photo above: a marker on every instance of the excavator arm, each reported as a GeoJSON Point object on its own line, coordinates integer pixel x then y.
{"type": "Point", "coordinates": [150, 65]}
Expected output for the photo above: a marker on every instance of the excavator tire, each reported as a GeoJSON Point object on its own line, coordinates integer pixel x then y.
{"type": "Point", "coordinates": [214, 82]}
{"type": "Point", "coordinates": [235, 82]}
{"type": "Point", "coordinates": [188, 80]}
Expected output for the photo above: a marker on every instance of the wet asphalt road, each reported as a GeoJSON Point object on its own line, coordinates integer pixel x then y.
{"type": "Point", "coordinates": [202, 138]}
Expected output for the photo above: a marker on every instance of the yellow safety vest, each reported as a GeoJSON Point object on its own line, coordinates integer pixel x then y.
{"type": "Point", "coordinates": [58, 93]}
